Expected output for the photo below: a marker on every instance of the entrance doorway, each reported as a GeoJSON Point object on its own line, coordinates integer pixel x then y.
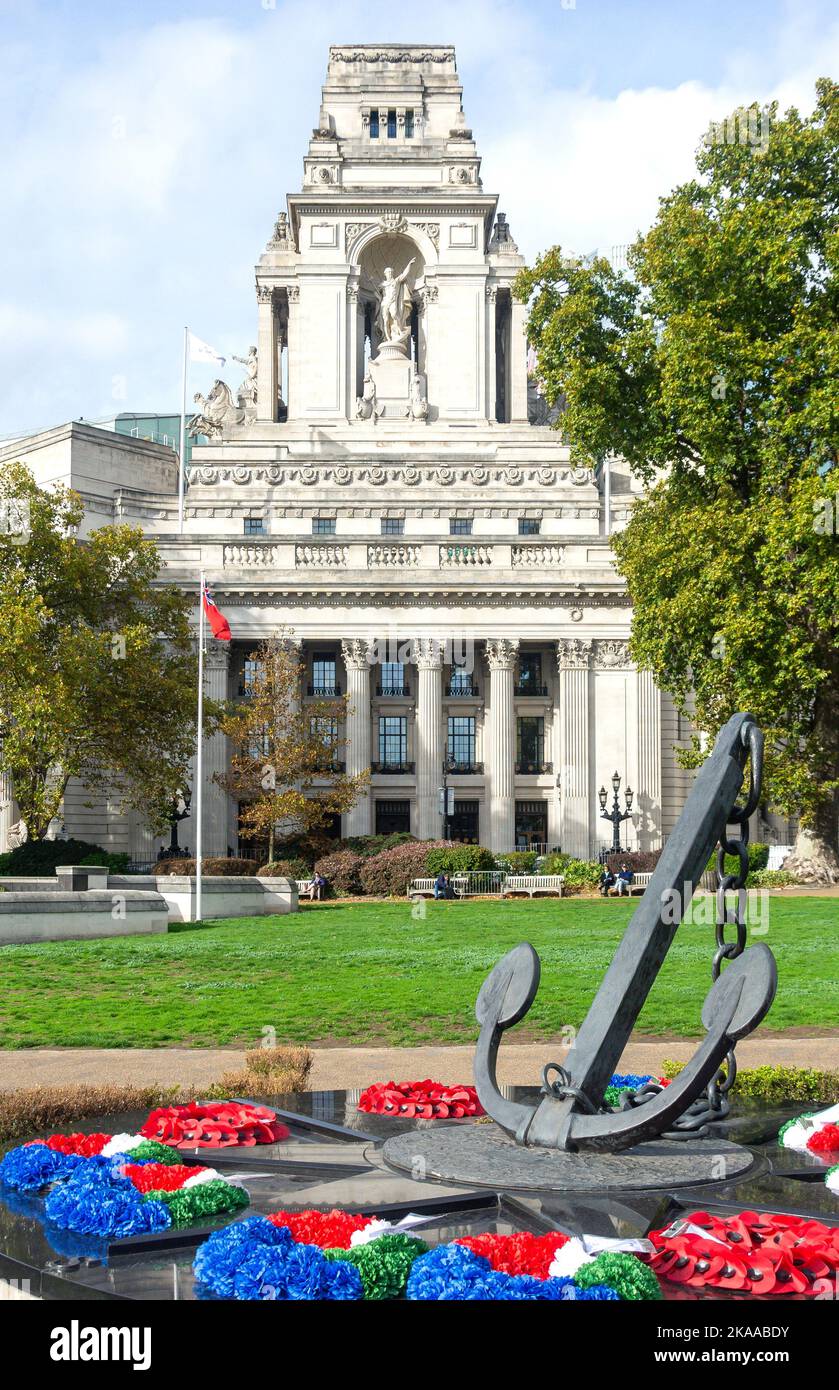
{"type": "Point", "coordinates": [532, 825]}
{"type": "Point", "coordinates": [393, 817]}
{"type": "Point", "coordinates": [463, 825]}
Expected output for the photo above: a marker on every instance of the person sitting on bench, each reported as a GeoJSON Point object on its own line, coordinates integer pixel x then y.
{"type": "Point", "coordinates": [624, 881]}
{"type": "Point", "coordinates": [314, 888]}
{"type": "Point", "coordinates": [441, 886]}
{"type": "Point", "coordinates": [607, 881]}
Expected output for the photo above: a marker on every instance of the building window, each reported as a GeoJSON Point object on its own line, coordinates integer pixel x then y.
{"type": "Point", "coordinates": [393, 740]}
{"type": "Point", "coordinates": [393, 679]}
{"type": "Point", "coordinates": [460, 525]}
{"type": "Point", "coordinates": [254, 526]}
{"type": "Point", "coordinates": [374, 125]}
{"type": "Point", "coordinates": [461, 742]}
{"type": "Point", "coordinates": [251, 673]}
{"type": "Point", "coordinates": [529, 526]}
{"type": "Point", "coordinates": [409, 123]}
{"type": "Point", "coordinates": [463, 825]}
{"type": "Point", "coordinates": [393, 525]}
{"type": "Point", "coordinates": [530, 744]}
{"type": "Point", "coordinates": [530, 674]}
{"type": "Point", "coordinates": [323, 733]}
{"type": "Point", "coordinates": [460, 681]}
{"type": "Point", "coordinates": [323, 526]}
{"type": "Point", "coordinates": [532, 825]}
{"type": "Point", "coordinates": [393, 817]}
{"type": "Point", "coordinates": [391, 125]}
{"type": "Point", "coordinates": [324, 675]}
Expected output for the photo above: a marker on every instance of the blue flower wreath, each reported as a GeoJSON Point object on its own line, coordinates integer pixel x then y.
{"type": "Point", "coordinates": [455, 1272]}
{"type": "Point", "coordinates": [97, 1201]}
{"type": "Point", "coordinates": [253, 1259]}
{"type": "Point", "coordinates": [32, 1166]}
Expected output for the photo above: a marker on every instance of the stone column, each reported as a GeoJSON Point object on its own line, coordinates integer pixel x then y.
{"type": "Point", "coordinates": [428, 655]}
{"type": "Point", "coordinates": [501, 657]}
{"type": "Point", "coordinates": [518, 363]}
{"type": "Point", "coordinates": [355, 651]}
{"type": "Point", "coordinates": [295, 348]}
{"type": "Point", "coordinates": [648, 793]}
{"type": "Point", "coordinates": [8, 809]}
{"type": "Point", "coordinates": [266, 383]}
{"type": "Point", "coordinates": [352, 349]}
{"type": "Point", "coordinates": [574, 662]}
{"type": "Point", "coordinates": [216, 755]}
{"type": "Point", "coordinates": [491, 300]}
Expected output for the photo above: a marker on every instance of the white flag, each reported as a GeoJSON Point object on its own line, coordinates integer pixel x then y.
{"type": "Point", "coordinates": [200, 351]}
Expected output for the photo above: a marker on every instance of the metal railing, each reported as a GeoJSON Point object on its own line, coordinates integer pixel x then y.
{"type": "Point", "coordinates": [326, 692]}
{"type": "Point", "coordinates": [530, 688]}
{"type": "Point", "coordinates": [455, 692]}
{"type": "Point", "coordinates": [533, 769]}
{"type": "Point", "coordinates": [392, 767]}
{"type": "Point", "coordinates": [396, 691]}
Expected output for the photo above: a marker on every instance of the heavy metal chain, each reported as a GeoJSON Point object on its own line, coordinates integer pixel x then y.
{"type": "Point", "coordinates": [734, 916]}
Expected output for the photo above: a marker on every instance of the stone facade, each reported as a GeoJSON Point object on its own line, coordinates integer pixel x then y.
{"type": "Point", "coordinates": [384, 494]}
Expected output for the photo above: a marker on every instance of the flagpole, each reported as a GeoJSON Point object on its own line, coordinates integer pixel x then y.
{"type": "Point", "coordinates": [181, 460]}
{"type": "Point", "coordinates": [199, 754]}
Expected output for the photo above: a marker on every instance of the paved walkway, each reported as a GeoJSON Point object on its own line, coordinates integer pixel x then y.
{"type": "Point", "coordinates": [351, 1067]}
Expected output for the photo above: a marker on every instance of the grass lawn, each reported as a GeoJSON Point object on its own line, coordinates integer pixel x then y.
{"type": "Point", "coordinates": [363, 973]}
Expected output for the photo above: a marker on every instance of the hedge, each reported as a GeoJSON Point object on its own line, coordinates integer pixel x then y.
{"type": "Point", "coordinates": [389, 873]}
{"type": "Point", "coordinates": [40, 858]}
{"type": "Point", "coordinates": [368, 845]}
{"type": "Point", "coordinates": [342, 871]}
{"type": "Point", "coordinates": [286, 868]}
{"type": "Point", "coordinates": [519, 861]}
{"type": "Point", "coordinates": [458, 859]}
{"type": "Point", "coordinates": [758, 859]}
{"type": "Point", "coordinates": [778, 1085]}
{"type": "Point", "coordinates": [640, 861]}
{"type": "Point", "coordinates": [213, 868]}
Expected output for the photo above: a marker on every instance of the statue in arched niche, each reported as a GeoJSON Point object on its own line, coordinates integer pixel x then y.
{"type": "Point", "coordinates": [394, 315]}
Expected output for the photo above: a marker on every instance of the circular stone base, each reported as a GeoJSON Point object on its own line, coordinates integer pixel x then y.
{"type": "Point", "coordinates": [485, 1156]}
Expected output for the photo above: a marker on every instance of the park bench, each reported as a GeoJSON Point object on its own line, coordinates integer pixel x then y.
{"type": "Point", "coordinates": [638, 884]}
{"type": "Point", "coordinates": [533, 883]}
{"type": "Point", "coordinates": [424, 887]}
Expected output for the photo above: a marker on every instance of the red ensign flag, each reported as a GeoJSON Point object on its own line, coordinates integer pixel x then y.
{"type": "Point", "coordinates": [216, 619]}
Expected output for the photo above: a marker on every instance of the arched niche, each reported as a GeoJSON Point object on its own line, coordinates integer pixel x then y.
{"type": "Point", "coordinates": [373, 254]}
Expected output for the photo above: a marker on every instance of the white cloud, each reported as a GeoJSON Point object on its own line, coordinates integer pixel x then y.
{"type": "Point", "coordinates": [142, 174]}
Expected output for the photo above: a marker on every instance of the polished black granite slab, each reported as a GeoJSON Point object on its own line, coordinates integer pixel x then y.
{"type": "Point", "coordinates": [333, 1159]}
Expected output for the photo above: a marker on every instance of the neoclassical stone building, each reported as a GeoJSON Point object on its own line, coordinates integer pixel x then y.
{"type": "Point", "coordinates": [380, 485]}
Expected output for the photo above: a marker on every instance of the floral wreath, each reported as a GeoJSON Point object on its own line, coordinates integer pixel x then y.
{"type": "Point", "coordinates": [816, 1133]}
{"type": "Point", "coordinates": [219, 1125]}
{"type": "Point", "coordinates": [434, 1100]}
{"type": "Point", "coordinates": [753, 1252]}
{"type": "Point", "coordinates": [345, 1256]}
{"type": "Point", "coordinates": [117, 1185]}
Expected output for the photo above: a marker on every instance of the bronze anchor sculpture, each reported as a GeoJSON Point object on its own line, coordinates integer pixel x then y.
{"type": "Point", "coordinates": [570, 1115]}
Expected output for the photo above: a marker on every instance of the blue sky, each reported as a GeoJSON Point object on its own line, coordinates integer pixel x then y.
{"type": "Point", "coordinates": [147, 148]}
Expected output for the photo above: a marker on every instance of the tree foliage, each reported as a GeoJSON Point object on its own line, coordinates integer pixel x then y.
{"type": "Point", "coordinates": [97, 676]}
{"type": "Point", "coordinates": [286, 765]}
{"type": "Point", "coordinates": [713, 367]}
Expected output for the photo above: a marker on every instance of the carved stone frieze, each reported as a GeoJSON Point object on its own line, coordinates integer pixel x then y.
{"type": "Point", "coordinates": [573, 654]}
{"type": "Point", "coordinates": [611, 654]}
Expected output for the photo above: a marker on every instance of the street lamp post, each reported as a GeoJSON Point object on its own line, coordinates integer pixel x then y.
{"type": "Point", "coordinates": [181, 803]}
{"type": "Point", "coordinates": [449, 766]}
{"type": "Point", "coordinates": [616, 815]}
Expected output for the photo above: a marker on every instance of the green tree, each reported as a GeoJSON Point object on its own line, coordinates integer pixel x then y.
{"type": "Point", "coordinates": [712, 368]}
{"type": "Point", "coordinates": [286, 766]}
{"type": "Point", "coordinates": [97, 676]}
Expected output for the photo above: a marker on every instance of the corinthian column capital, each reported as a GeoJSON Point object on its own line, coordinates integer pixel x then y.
{"type": "Point", "coordinates": [217, 656]}
{"type": "Point", "coordinates": [573, 654]}
{"type": "Point", "coordinates": [356, 653]}
{"type": "Point", "coordinates": [502, 653]}
{"type": "Point", "coordinates": [428, 653]}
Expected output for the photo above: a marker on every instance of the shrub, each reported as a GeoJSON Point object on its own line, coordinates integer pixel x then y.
{"type": "Point", "coordinates": [40, 858]}
{"type": "Point", "coordinates": [519, 861]}
{"type": "Point", "coordinates": [342, 872]}
{"type": "Point", "coordinates": [640, 861]}
{"type": "Point", "coordinates": [213, 868]}
{"type": "Point", "coordinates": [308, 847]}
{"type": "Point", "coordinates": [114, 863]}
{"type": "Point", "coordinates": [36, 1110]}
{"type": "Point", "coordinates": [776, 1085]}
{"type": "Point", "coordinates": [388, 874]}
{"type": "Point", "coordinates": [458, 859]}
{"type": "Point", "coordinates": [758, 859]}
{"type": "Point", "coordinates": [771, 878]}
{"type": "Point", "coordinates": [578, 873]}
{"type": "Point", "coordinates": [368, 845]}
{"type": "Point", "coordinates": [268, 1071]}
{"type": "Point", "coordinates": [286, 868]}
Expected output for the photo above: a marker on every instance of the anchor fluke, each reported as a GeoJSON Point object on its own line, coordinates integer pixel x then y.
{"type": "Point", "coordinates": [744, 992]}
{"type": "Point", "coordinates": [510, 988]}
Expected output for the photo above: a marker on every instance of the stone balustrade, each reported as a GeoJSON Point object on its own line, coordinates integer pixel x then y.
{"type": "Point", "coordinates": [393, 555]}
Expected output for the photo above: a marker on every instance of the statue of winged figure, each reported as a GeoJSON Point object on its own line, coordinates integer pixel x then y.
{"type": "Point", "coordinates": [393, 318]}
